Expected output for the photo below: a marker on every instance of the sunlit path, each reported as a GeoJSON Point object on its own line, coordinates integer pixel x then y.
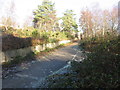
{"type": "Point", "coordinates": [54, 44]}
{"type": "Point", "coordinates": [31, 74]}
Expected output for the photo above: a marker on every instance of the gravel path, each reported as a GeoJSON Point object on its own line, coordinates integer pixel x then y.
{"type": "Point", "coordinates": [31, 74]}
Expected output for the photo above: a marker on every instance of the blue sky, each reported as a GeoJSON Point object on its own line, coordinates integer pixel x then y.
{"type": "Point", "coordinates": [24, 8]}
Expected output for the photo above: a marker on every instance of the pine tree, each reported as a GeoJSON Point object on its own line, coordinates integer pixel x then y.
{"type": "Point", "coordinates": [45, 16]}
{"type": "Point", "coordinates": [68, 21]}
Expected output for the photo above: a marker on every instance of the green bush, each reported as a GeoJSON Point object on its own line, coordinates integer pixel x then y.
{"type": "Point", "coordinates": [35, 34]}
{"type": "Point", "coordinates": [69, 35]}
{"type": "Point", "coordinates": [61, 36]}
{"type": "Point", "coordinates": [44, 35]}
{"type": "Point", "coordinates": [21, 38]}
{"type": "Point", "coordinates": [2, 28]}
{"type": "Point", "coordinates": [102, 66]}
{"type": "Point", "coordinates": [98, 70]}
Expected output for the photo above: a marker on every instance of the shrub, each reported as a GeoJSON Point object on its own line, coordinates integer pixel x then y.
{"type": "Point", "coordinates": [35, 34]}
{"type": "Point", "coordinates": [2, 28]}
{"type": "Point", "coordinates": [69, 35]}
{"type": "Point", "coordinates": [21, 38]}
{"type": "Point", "coordinates": [10, 42]}
{"type": "Point", "coordinates": [101, 68]}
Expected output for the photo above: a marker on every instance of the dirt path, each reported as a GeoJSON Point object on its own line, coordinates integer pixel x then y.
{"type": "Point", "coordinates": [31, 74]}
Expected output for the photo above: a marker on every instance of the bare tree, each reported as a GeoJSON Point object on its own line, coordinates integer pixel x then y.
{"type": "Point", "coordinates": [27, 21]}
{"type": "Point", "coordinates": [8, 20]}
{"type": "Point", "coordinates": [114, 18]}
{"type": "Point", "coordinates": [97, 17]}
{"type": "Point", "coordinates": [86, 21]}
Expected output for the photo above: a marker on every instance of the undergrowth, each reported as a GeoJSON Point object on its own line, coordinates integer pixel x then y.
{"type": "Point", "coordinates": [101, 68]}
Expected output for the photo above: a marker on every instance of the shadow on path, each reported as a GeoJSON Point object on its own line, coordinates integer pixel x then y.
{"type": "Point", "coordinates": [30, 74]}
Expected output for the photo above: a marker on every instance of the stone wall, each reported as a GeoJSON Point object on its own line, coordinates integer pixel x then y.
{"type": "Point", "coordinates": [11, 54]}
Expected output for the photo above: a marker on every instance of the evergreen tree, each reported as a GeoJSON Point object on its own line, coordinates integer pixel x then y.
{"type": "Point", "coordinates": [45, 16]}
{"type": "Point", "coordinates": [68, 21]}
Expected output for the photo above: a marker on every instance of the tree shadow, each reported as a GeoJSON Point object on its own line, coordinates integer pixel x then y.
{"type": "Point", "coordinates": [42, 67]}
{"type": "Point", "coordinates": [10, 42]}
{"type": "Point", "coordinates": [15, 50]}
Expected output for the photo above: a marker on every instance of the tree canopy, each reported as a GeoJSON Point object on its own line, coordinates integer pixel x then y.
{"type": "Point", "coordinates": [98, 21]}
{"type": "Point", "coordinates": [45, 16]}
{"type": "Point", "coordinates": [68, 21]}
